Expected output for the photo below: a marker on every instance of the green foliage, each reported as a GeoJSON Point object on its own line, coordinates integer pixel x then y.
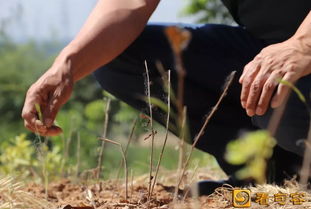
{"type": "Point", "coordinates": [19, 66]}
{"type": "Point", "coordinates": [17, 157]}
{"type": "Point", "coordinates": [20, 157]}
{"type": "Point", "coordinates": [252, 149]}
{"type": "Point", "coordinates": [94, 110]}
{"type": "Point", "coordinates": [126, 113]}
{"type": "Point", "coordinates": [208, 11]}
{"type": "Point", "coordinates": [50, 162]}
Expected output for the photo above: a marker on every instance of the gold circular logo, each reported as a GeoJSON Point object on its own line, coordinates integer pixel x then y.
{"type": "Point", "coordinates": [242, 198]}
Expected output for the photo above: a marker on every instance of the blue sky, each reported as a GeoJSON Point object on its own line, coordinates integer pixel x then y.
{"type": "Point", "coordinates": [61, 19]}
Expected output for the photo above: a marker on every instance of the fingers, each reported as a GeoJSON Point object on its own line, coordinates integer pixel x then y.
{"type": "Point", "coordinates": [30, 116]}
{"type": "Point", "coordinates": [247, 78]}
{"type": "Point", "coordinates": [51, 110]}
{"type": "Point", "coordinates": [258, 84]}
{"type": "Point", "coordinates": [260, 91]}
{"type": "Point", "coordinates": [49, 115]}
{"type": "Point", "coordinates": [267, 92]}
{"type": "Point", "coordinates": [53, 131]}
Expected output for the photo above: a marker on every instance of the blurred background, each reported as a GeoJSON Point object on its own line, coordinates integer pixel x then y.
{"type": "Point", "coordinates": [32, 32]}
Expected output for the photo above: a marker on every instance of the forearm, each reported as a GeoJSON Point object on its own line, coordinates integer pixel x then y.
{"type": "Point", "coordinates": [110, 28]}
{"type": "Point", "coordinates": [303, 36]}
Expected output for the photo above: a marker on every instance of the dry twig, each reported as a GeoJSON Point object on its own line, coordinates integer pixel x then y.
{"type": "Point", "coordinates": [208, 118]}
{"type": "Point", "coordinates": [102, 148]}
{"type": "Point", "coordinates": [166, 130]}
{"type": "Point", "coordinates": [125, 163]}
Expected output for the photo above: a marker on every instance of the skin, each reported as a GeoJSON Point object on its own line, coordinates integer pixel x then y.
{"type": "Point", "coordinates": [289, 60]}
{"type": "Point", "coordinates": [113, 26]}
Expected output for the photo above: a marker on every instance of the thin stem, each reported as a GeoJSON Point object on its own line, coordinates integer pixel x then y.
{"type": "Point", "coordinates": [78, 154]}
{"type": "Point", "coordinates": [181, 156]}
{"type": "Point", "coordinates": [181, 73]}
{"type": "Point", "coordinates": [208, 118]}
{"type": "Point", "coordinates": [67, 145]}
{"type": "Point", "coordinates": [128, 144]}
{"type": "Point", "coordinates": [132, 183]}
{"type": "Point", "coordinates": [166, 131]}
{"type": "Point", "coordinates": [102, 148]}
{"type": "Point", "coordinates": [191, 182]}
{"type": "Point", "coordinates": [125, 163]}
{"type": "Point", "coordinates": [305, 170]}
{"type": "Point", "coordinates": [152, 131]}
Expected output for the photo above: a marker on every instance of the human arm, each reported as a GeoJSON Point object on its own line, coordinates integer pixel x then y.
{"type": "Point", "coordinates": [289, 60]}
{"type": "Point", "coordinates": [110, 28]}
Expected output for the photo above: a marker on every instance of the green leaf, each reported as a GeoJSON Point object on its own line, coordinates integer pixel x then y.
{"type": "Point", "coordinates": [159, 103]}
{"type": "Point", "coordinates": [252, 149]}
{"type": "Point", "coordinates": [38, 109]}
{"type": "Point", "coordinates": [295, 89]}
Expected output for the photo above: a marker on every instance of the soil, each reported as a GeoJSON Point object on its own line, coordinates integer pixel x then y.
{"type": "Point", "coordinates": [66, 194]}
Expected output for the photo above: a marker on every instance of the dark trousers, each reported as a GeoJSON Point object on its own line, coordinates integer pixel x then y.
{"type": "Point", "coordinates": [214, 51]}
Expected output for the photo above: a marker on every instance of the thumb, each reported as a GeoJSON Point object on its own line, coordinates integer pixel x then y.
{"type": "Point", "coordinates": [51, 110]}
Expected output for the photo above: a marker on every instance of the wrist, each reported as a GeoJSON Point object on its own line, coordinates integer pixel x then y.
{"type": "Point", "coordinates": [303, 41]}
{"type": "Point", "coordinates": [66, 62]}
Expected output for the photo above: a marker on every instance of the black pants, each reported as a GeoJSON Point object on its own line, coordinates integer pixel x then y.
{"type": "Point", "coordinates": [214, 51]}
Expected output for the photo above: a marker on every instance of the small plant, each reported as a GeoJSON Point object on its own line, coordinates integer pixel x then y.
{"type": "Point", "coordinates": [17, 157]}
{"type": "Point", "coordinates": [252, 149]}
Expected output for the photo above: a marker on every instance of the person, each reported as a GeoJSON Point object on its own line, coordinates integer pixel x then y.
{"type": "Point", "coordinates": [272, 41]}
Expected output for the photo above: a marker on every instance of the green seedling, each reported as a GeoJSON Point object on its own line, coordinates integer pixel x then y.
{"type": "Point", "coordinates": [38, 109]}
{"type": "Point", "coordinates": [294, 88]}
{"type": "Point", "coordinates": [252, 149]}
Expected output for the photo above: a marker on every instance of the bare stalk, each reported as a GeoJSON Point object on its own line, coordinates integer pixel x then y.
{"type": "Point", "coordinates": [305, 170]}
{"type": "Point", "coordinates": [272, 128]}
{"type": "Point", "coordinates": [208, 118]}
{"type": "Point", "coordinates": [179, 39]}
{"type": "Point", "coordinates": [186, 193]}
{"type": "Point", "coordinates": [181, 73]}
{"type": "Point", "coordinates": [132, 183]}
{"type": "Point", "coordinates": [78, 154]}
{"type": "Point", "coordinates": [42, 153]}
{"type": "Point", "coordinates": [166, 130]}
{"type": "Point", "coordinates": [127, 145]}
{"type": "Point", "coordinates": [181, 150]}
{"type": "Point", "coordinates": [102, 148]}
{"type": "Point", "coordinates": [181, 156]}
{"type": "Point", "coordinates": [152, 130]}
{"type": "Point", "coordinates": [66, 149]}
{"type": "Point", "coordinates": [276, 117]}
{"type": "Point", "coordinates": [124, 160]}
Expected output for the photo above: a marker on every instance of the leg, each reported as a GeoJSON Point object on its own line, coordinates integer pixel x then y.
{"type": "Point", "coordinates": [215, 50]}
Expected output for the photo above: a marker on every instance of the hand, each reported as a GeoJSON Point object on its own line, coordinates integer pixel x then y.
{"type": "Point", "coordinates": [289, 60]}
{"type": "Point", "coordinates": [51, 91]}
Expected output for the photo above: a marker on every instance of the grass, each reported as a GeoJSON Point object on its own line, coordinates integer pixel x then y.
{"type": "Point", "coordinates": [13, 196]}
